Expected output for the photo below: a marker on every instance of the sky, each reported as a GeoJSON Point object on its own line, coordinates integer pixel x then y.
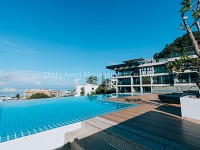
{"type": "Point", "coordinates": [58, 43]}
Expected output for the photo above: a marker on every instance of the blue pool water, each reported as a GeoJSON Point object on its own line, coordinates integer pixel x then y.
{"type": "Point", "coordinates": [22, 118]}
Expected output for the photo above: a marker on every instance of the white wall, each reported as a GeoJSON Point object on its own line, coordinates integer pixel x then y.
{"type": "Point", "coordinates": [88, 89]}
{"type": "Point", "coordinates": [190, 107]}
{"type": "Point", "coordinates": [46, 140]}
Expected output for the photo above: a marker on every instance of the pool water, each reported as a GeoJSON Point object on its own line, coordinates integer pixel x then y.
{"type": "Point", "coordinates": [23, 118]}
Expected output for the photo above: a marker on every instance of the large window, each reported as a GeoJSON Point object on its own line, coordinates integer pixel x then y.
{"type": "Point", "coordinates": [160, 69]}
{"type": "Point", "coordinates": [166, 80]}
{"type": "Point", "coordinates": [124, 89]}
{"type": "Point", "coordinates": [146, 70]}
{"type": "Point", "coordinates": [135, 72]}
{"type": "Point", "coordinates": [147, 89]}
{"type": "Point", "coordinates": [124, 73]}
{"type": "Point", "coordinates": [183, 78]}
{"type": "Point", "coordinates": [136, 81]}
{"type": "Point", "coordinates": [126, 81]}
{"type": "Point", "coordinates": [193, 77]}
{"type": "Point", "coordinates": [157, 80]}
{"type": "Point", "coordinates": [137, 89]}
{"type": "Point", "coordinates": [161, 80]}
{"type": "Point", "coordinates": [146, 80]}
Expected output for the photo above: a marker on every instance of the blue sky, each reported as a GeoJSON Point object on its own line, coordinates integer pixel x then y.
{"type": "Point", "coordinates": [77, 36]}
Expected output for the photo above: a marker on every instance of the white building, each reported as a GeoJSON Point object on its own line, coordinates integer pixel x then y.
{"type": "Point", "coordinates": [113, 82]}
{"type": "Point", "coordinates": [87, 88]}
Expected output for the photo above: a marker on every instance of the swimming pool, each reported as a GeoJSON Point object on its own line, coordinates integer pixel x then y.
{"type": "Point", "coordinates": [23, 118]}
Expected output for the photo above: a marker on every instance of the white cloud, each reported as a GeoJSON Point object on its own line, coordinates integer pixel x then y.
{"type": "Point", "coordinates": [20, 77]}
{"type": "Point", "coordinates": [29, 78]}
{"type": "Point", "coordinates": [12, 47]}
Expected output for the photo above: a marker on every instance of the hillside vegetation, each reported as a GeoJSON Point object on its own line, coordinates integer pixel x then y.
{"type": "Point", "coordinates": [178, 47]}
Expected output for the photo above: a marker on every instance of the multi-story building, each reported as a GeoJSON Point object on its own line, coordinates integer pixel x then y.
{"type": "Point", "coordinates": [143, 76]}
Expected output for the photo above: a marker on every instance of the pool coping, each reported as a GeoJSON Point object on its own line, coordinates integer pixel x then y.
{"type": "Point", "coordinates": [46, 140]}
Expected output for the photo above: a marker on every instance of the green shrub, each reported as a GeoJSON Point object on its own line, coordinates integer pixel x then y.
{"type": "Point", "coordinates": [38, 96]}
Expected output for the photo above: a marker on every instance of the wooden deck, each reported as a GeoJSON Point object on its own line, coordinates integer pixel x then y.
{"type": "Point", "coordinates": [159, 119]}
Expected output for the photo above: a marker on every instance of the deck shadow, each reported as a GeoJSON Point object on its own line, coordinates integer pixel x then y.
{"type": "Point", "coordinates": [174, 110]}
{"type": "Point", "coordinates": [151, 130]}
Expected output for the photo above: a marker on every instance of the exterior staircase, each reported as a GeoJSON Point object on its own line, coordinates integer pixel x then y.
{"type": "Point", "coordinates": [102, 134]}
{"type": "Point", "coordinates": [94, 136]}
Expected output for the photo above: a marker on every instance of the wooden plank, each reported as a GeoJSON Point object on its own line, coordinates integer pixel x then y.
{"type": "Point", "coordinates": [159, 123]}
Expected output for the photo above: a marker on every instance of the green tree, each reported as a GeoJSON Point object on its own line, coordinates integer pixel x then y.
{"type": "Point", "coordinates": [53, 95]}
{"type": "Point", "coordinates": [38, 96]}
{"type": "Point", "coordinates": [17, 96]}
{"type": "Point", "coordinates": [178, 47]}
{"type": "Point", "coordinates": [191, 10]}
{"type": "Point", "coordinates": [92, 80]}
{"type": "Point", "coordinates": [189, 6]}
{"type": "Point", "coordinates": [100, 90]}
{"type": "Point", "coordinates": [82, 91]}
{"type": "Point", "coordinates": [184, 63]}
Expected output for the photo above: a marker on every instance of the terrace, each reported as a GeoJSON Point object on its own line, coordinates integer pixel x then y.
{"type": "Point", "coordinates": [152, 125]}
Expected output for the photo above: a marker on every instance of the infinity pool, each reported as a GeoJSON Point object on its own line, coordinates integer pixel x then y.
{"type": "Point", "coordinates": [23, 118]}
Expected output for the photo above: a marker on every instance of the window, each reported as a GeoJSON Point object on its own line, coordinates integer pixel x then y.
{"type": "Point", "coordinates": [136, 81]}
{"type": "Point", "coordinates": [147, 89]}
{"type": "Point", "coordinates": [124, 89]}
{"type": "Point", "coordinates": [113, 82]}
{"type": "Point", "coordinates": [146, 70]}
{"type": "Point", "coordinates": [193, 77]}
{"type": "Point", "coordinates": [166, 80]}
{"type": "Point", "coordinates": [124, 73]}
{"type": "Point", "coordinates": [183, 78]}
{"type": "Point", "coordinates": [137, 89]}
{"type": "Point", "coordinates": [92, 89]}
{"type": "Point", "coordinates": [126, 81]}
{"type": "Point", "coordinates": [160, 69]}
{"type": "Point", "coordinates": [161, 80]}
{"type": "Point", "coordinates": [146, 80]}
{"type": "Point", "coordinates": [157, 80]}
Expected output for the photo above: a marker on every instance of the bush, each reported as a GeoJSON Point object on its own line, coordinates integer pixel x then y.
{"type": "Point", "coordinates": [100, 90]}
{"type": "Point", "coordinates": [38, 96]}
{"type": "Point", "coordinates": [110, 91]}
{"type": "Point", "coordinates": [103, 90]}
{"type": "Point", "coordinates": [17, 96]}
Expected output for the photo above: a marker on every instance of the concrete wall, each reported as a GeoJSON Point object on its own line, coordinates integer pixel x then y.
{"type": "Point", "coordinates": [173, 88]}
{"type": "Point", "coordinates": [190, 107]}
{"type": "Point", "coordinates": [46, 140]}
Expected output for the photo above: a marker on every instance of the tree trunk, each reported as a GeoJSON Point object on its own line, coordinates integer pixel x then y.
{"type": "Point", "coordinates": [194, 42]}
{"type": "Point", "coordinates": [197, 25]}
